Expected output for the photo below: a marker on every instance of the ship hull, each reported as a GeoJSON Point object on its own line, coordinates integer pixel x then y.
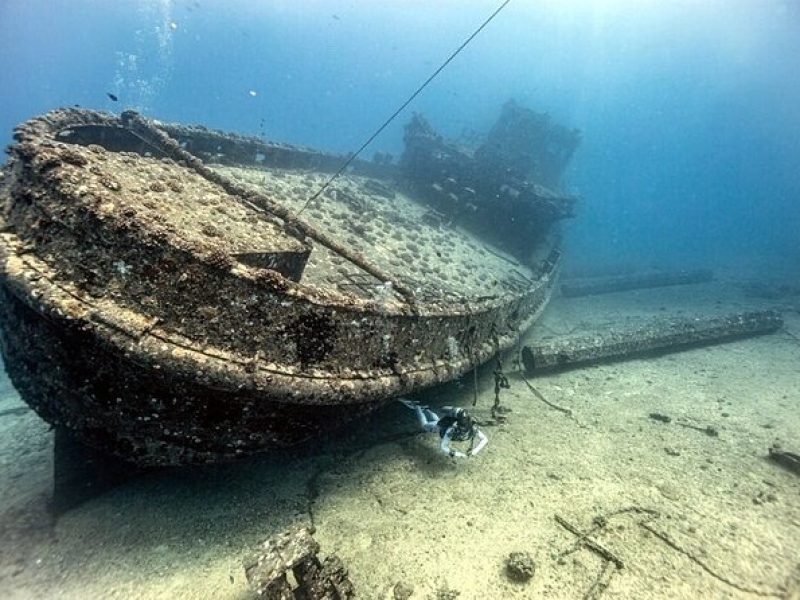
{"type": "Point", "coordinates": [168, 314]}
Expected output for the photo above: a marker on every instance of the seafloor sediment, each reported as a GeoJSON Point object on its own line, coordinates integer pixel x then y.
{"type": "Point", "coordinates": [395, 510]}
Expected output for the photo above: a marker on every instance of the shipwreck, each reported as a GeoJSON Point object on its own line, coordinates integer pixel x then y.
{"type": "Point", "coordinates": [170, 295]}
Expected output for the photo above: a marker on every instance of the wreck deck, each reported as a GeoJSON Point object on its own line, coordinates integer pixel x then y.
{"type": "Point", "coordinates": [400, 235]}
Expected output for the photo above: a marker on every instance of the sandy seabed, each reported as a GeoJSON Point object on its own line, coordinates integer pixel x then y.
{"type": "Point", "coordinates": [701, 516]}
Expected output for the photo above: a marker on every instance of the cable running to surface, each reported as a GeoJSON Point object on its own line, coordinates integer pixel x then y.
{"type": "Point", "coordinates": [416, 93]}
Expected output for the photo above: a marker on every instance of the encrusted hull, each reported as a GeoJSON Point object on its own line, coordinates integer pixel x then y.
{"type": "Point", "coordinates": [152, 337]}
{"type": "Point", "coordinates": [146, 415]}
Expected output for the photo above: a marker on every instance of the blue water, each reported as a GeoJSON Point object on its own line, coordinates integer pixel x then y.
{"type": "Point", "coordinates": [690, 110]}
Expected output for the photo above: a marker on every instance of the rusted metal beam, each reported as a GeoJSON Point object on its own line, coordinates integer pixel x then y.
{"type": "Point", "coordinates": [661, 335]}
{"type": "Point", "coordinates": [621, 283]}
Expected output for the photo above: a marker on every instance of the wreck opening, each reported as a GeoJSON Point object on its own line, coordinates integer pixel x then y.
{"type": "Point", "coordinates": [113, 138]}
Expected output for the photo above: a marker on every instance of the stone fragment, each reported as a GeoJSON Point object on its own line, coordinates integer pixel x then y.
{"type": "Point", "coordinates": [520, 566]}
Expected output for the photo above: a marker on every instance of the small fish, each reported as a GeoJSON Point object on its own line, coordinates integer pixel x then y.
{"type": "Point", "coordinates": [253, 93]}
{"type": "Point", "coordinates": [335, 17]}
{"type": "Point", "coordinates": [173, 25]}
{"type": "Point", "coordinates": [112, 96]}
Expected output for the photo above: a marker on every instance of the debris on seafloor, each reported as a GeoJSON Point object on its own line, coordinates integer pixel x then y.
{"type": "Point", "coordinates": [659, 417]}
{"type": "Point", "coordinates": [520, 566]}
{"type": "Point", "coordinates": [585, 540]}
{"type": "Point", "coordinates": [621, 283]}
{"type": "Point", "coordinates": [446, 593]}
{"type": "Point", "coordinates": [650, 520]}
{"type": "Point", "coordinates": [539, 396]}
{"type": "Point", "coordinates": [286, 567]}
{"type": "Point", "coordinates": [763, 497]}
{"type": "Point", "coordinates": [402, 591]}
{"type": "Point", "coordinates": [709, 430]}
{"type": "Point", "coordinates": [788, 460]}
{"type": "Point", "coordinates": [660, 335]}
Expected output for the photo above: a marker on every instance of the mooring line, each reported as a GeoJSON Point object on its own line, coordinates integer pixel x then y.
{"type": "Point", "coordinates": [353, 156]}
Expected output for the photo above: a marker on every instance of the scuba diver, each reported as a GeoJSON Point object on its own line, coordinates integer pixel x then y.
{"type": "Point", "coordinates": [454, 425]}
